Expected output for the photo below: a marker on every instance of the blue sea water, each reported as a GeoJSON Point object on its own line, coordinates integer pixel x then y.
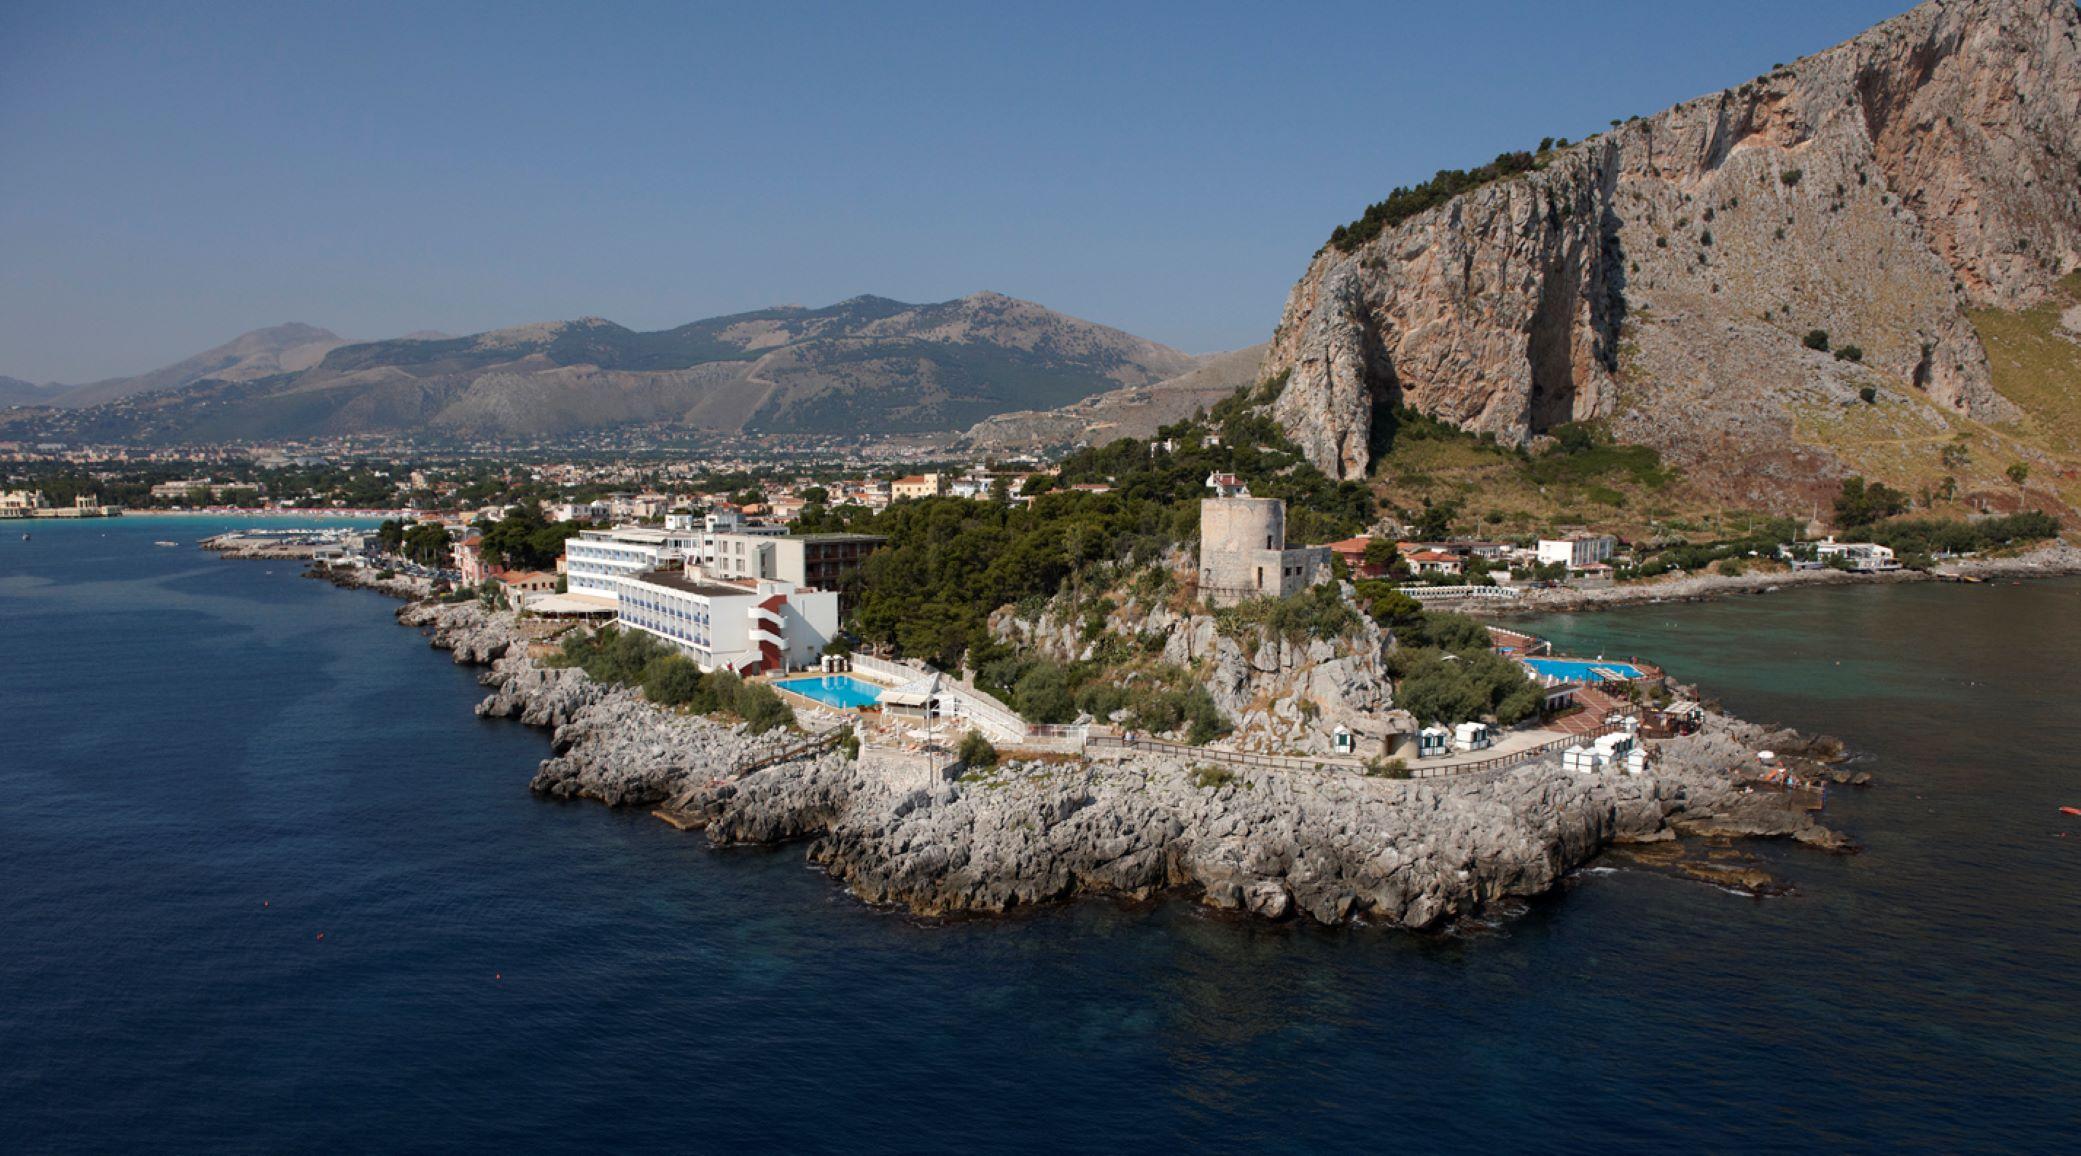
{"type": "Point", "coordinates": [267, 885]}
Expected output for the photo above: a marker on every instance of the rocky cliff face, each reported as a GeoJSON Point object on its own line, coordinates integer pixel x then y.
{"type": "Point", "coordinates": [1664, 275]}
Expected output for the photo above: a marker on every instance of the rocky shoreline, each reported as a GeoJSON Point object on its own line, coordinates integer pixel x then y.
{"type": "Point", "coordinates": [2058, 559]}
{"type": "Point", "coordinates": [1328, 846]}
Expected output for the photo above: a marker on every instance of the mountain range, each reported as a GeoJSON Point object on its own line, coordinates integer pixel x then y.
{"type": "Point", "coordinates": [865, 365]}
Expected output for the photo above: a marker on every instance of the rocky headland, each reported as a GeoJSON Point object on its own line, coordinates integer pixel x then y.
{"type": "Point", "coordinates": [1330, 846]}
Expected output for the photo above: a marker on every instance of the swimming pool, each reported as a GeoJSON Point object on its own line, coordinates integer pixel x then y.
{"type": "Point", "coordinates": [843, 691]}
{"type": "Point", "coordinates": [1583, 669]}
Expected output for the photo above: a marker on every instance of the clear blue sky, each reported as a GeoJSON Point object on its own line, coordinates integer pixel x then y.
{"type": "Point", "coordinates": [174, 174]}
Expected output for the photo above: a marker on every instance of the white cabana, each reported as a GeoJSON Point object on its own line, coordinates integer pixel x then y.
{"type": "Point", "coordinates": [913, 697]}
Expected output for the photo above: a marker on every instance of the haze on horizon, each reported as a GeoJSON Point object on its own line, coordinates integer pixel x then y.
{"type": "Point", "coordinates": [174, 177]}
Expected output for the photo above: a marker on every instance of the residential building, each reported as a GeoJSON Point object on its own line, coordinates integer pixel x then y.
{"type": "Point", "coordinates": [820, 560]}
{"type": "Point", "coordinates": [917, 486]}
{"type": "Point", "coordinates": [1243, 552]}
{"type": "Point", "coordinates": [750, 627]}
{"type": "Point", "coordinates": [467, 555]}
{"type": "Point", "coordinates": [1577, 551]}
{"type": "Point", "coordinates": [522, 584]}
{"type": "Point", "coordinates": [729, 520]}
{"type": "Point", "coordinates": [1435, 562]}
{"type": "Point", "coordinates": [1353, 553]}
{"type": "Point", "coordinates": [1864, 557]}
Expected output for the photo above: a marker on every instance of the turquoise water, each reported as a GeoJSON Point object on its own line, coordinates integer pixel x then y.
{"type": "Point", "coordinates": [843, 691]}
{"type": "Point", "coordinates": [1580, 669]}
{"type": "Point", "coordinates": [210, 764]}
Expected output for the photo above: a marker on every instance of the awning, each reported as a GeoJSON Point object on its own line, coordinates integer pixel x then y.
{"type": "Point", "coordinates": [918, 692]}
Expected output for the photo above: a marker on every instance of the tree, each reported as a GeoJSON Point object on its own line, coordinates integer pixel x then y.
{"type": "Point", "coordinates": [1869, 395]}
{"type": "Point", "coordinates": [1435, 521]}
{"type": "Point", "coordinates": [2019, 473]}
{"type": "Point", "coordinates": [1849, 353]}
{"type": "Point", "coordinates": [1382, 554]}
{"type": "Point", "coordinates": [1816, 339]}
{"type": "Point", "coordinates": [1859, 504]}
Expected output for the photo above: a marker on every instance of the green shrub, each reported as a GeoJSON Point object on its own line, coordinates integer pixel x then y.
{"type": "Point", "coordinates": [761, 708]}
{"type": "Point", "coordinates": [1210, 775]}
{"type": "Point", "coordinates": [1816, 339]}
{"type": "Point", "coordinates": [1868, 394]}
{"type": "Point", "coordinates": [672, 680]}
{"type": "Point", "coordinates": [1387, 769]}
{"type": "Point", "coordinates": [1849, 353]}
{"type": "Point", "coordinates": [976, 751]}
{"type": "Point", "coordinates": [1731, 567]}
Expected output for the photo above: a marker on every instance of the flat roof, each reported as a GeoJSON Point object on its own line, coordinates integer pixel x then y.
{"type": "Point", "coordinates": [678, 580]}
{"type": "Point", "coordinates": [628, 534]}
{"type": "Point", "coordinates": [836, 537]}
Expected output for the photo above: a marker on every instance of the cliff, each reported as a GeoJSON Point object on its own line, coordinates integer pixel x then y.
{"type": "Point", "coordinates": [1665, 276]}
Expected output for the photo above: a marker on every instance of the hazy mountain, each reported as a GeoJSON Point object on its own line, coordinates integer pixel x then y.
{"type": "Point", "coordinates": [15, 391]}
{"type": "Point", "coordinates": [261, 353]}
{"type": "Point", "coordinates": [1135, 411]}
{"type": "Point", "coordinates": [866, 365]}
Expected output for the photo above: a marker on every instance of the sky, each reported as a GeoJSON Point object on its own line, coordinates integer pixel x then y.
{"type": "Point", "coordinates": [172, 175]}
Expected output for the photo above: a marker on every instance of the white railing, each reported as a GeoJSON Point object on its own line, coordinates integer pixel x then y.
{"type": "Point", "coordinates": [957, 699]}
{"type": "Point", "coordinates": [1452, 593]}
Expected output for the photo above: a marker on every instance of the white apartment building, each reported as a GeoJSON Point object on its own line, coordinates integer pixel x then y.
{"type": "Point", "coordinates": [596, 562]}
{"type": "Point", "coordinates": [749, 627]}
{"type": "Point", "coordinates": [820, 560]}
{"type": "Point", "coordinates": [730, 523]}
{"type": "Point", "coordinates": [1577, 551]}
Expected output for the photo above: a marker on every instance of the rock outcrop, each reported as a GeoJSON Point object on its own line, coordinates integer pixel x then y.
{"type": "Point", "coordinates": [1329, 846]}
{"type": "Point", "coordinates": [1664, 275]}
{"type": "Point", "coordinates": [1281, 696]}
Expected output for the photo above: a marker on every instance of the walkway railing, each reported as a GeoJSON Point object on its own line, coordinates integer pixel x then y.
{"type": "Point", "coordinates": [1216, 755]}
{"type": "Point", "coordinates": [1511, 759]}
{"type": "Point", "coordinates": [1252, 759]}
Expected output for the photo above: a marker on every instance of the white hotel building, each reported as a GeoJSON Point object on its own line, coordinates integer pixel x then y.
{"type": "Point", "coordinates": [747, 624]}
{"type": "Point", "coordinates": [597, 561]}
{"type": "Point", "coordinates": [749, 627]}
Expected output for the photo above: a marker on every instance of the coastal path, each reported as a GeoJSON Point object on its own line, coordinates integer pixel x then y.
{"type": "Point", "coordinates": [1472, 763]}
{"type": "Point", "coordinates": [814, 745]}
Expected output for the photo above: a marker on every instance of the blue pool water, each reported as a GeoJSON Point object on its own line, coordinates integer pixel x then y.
{"type": "Point", "coordinates": [1581, 669]}
{"type": "Point", "coordinates": [843, 691]}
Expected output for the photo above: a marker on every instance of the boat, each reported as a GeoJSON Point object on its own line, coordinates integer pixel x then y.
{"type": "Point", "coordinates": [164, 542]}
{"type": "Point", "coordinates": [2070, 810]}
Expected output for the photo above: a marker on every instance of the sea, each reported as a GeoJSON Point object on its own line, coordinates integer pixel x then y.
{"type": "Point", "coordinates": [268, 885]}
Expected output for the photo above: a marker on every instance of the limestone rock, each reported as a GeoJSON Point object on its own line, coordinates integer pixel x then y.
{"type": "Point", "coordinates": [1672, 265]}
